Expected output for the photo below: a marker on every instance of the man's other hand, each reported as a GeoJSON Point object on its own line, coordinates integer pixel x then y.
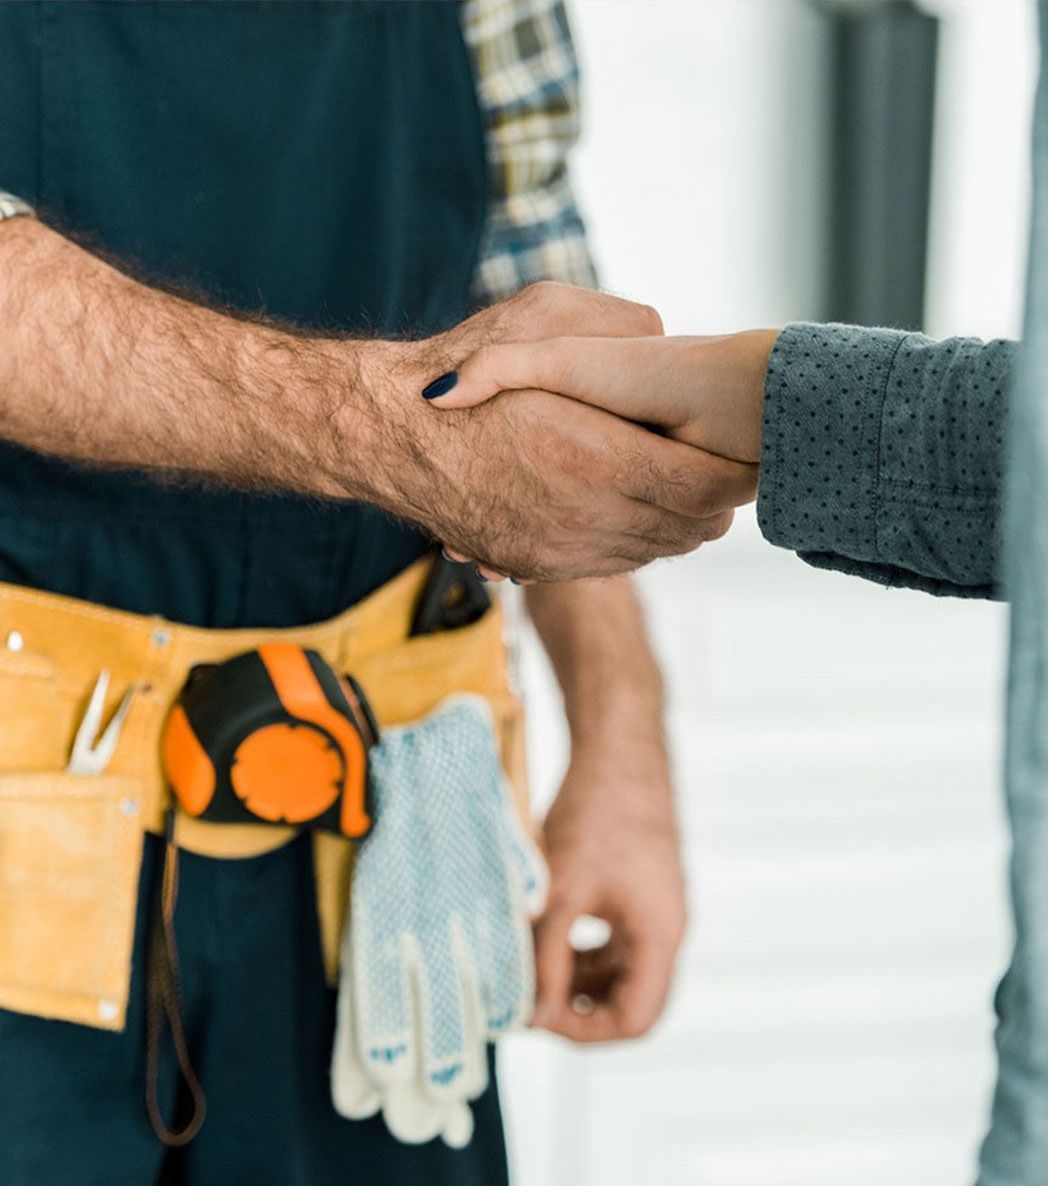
{"type": "Point", "coordinates": [611, 843]}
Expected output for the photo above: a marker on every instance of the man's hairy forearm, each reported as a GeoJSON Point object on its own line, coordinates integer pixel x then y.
{"type": "Point", "coordinates": [99, 368]}
{"type": "Point", "coordinates": [595, 636]}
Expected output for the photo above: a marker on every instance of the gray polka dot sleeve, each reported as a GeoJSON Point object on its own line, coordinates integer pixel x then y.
{"type": "Point", "coordinates": [882, 455]}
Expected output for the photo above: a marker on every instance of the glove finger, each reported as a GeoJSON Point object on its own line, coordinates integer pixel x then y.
{"type": "Point", "coordinates": [410, 1111]}
{"type": "Point", "coordinates": [411, 1114]}
{"type": "Point", "coordinates": [507, 964]}
{"type": "Point", "coordinates": [353, 1093]}
{"type": "Point", "coordinates": [475, 1078]}
{"type": "Point", "coordinates": [381, 973]}
{"type": "Point", "coordinates": [414, 1118]}
{"type": "Point", "coordinates": [440, 1013]}
{"type": "Point", "coordinates": [458, 1126]}
{"type": "Point", "coordinates": [430, 1104]}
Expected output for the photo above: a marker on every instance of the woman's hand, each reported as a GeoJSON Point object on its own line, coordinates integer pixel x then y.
{"type": "Point", "coordinates": [705, 391]}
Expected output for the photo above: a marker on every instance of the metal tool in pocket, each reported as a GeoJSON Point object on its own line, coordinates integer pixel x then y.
{"type": "Point", "coordinates": [93, 751]}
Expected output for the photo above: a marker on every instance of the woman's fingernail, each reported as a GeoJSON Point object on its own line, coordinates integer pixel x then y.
{"type": "Point", "coordinates": [440, 386]}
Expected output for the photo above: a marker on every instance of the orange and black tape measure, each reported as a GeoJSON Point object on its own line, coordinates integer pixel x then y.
{"type": "Point", "coordinates": [274, 735]}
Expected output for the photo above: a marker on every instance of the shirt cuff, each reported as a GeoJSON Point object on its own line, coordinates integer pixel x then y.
{"type": "Point", "coordinates": [882, 455]}
{"type": "Point", "coordinates": [823, 401]}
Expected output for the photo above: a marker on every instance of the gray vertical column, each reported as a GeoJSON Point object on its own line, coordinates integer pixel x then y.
{"type": "Point", "coordinates": [883, 59]}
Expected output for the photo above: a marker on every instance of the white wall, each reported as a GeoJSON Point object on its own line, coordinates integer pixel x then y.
{"type": "Point", "coordinates": [698, 115]}
{"type": "Point", "coordinates": [836, 745]}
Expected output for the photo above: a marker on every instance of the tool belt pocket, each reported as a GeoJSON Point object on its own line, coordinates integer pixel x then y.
{"type": "Point", "coordinates": [70, 860]}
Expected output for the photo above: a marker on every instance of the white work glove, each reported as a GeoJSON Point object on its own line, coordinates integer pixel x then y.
{"type": "Point", "coordinates": [437, 959]}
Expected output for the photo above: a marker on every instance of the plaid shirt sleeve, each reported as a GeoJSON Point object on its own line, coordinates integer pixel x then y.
{"type": "Point", "coordinates": [528, 88]}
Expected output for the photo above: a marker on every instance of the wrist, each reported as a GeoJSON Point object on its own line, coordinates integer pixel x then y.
{"type": "Point", "coordinates": [337, 416]}
{"type": "Point", "coordinates": [635, 763]}
{"type": "Point", "coordinates": [383, 440]}
{"type": "Point", "coordinates": [282, 391]}
{"type": "Point", "coordinates": [752, 350]}
{"type": "Point", "coordinates": [624, 720]}
{"type": "Point", "coordinates": [731, 372]}
{"type": "Point", "coordinates": [342, 412]}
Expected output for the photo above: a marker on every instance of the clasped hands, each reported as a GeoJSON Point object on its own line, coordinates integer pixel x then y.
{"type": "Point", "coordinates": [604, 445]}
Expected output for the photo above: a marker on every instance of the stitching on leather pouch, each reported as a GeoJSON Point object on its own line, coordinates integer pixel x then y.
{"type": "Point", "coordinates": [20, 663]}
{"type": "Point", "coordinates": [117, 841]}
{"type": "Point", "coordinates": [69, 606]}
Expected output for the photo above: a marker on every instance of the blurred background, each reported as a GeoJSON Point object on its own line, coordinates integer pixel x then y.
{"type": "Point", "coordinates": [747, 163]}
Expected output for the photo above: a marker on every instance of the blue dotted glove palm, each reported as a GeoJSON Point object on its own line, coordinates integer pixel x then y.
{"type": "Point", "coordinates": [437, 960]}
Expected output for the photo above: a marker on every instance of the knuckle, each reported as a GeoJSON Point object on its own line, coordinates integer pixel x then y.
{"type": "Point", "coordinates": [662, 532]}
{"type": "Point", "coordinates": [628, 555]}
{"type": "Point", "coordinates": [545, 289]}
{"type": "Point", "coordinates": [540, 296]}
{"type": "Point", "coordinates": [638, 474]}
{"type": "Point", "coordinates": [547, 307]}
{"type": "Point", "coordinates": [688, 536]}
{"type": "Point", "coordinates": [652, 529]}
{"type": "Point", "coordinates": [651, 320]}
{"type": "Point", "coordinates": [719, 525]}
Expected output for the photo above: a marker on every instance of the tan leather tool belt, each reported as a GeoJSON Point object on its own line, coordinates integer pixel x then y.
{"type": "Point", "coordinates": [71, 844]}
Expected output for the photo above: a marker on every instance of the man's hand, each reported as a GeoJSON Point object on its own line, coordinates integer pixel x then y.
{"type": "Point", "coordinates": [535, 486]}
{"type": "Point", "coordinates": [611, 844]}
{"type": "Point", "coordinates": [611, 836]}
{"type": "Point", "coordinates": [707, 392]}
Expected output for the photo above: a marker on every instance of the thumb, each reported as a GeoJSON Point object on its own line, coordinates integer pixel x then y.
{"type": "Point", "coordinates": [554, 963]}
{"type": "Point", "coordinates": [618, 375]}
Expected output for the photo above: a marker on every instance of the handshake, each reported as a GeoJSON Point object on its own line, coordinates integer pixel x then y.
{"type": "Point", "coordinates": [559, 435]}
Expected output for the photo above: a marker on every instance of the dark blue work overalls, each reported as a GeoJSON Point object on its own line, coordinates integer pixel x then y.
{"type": "Point", "coordinates": [322, 163]}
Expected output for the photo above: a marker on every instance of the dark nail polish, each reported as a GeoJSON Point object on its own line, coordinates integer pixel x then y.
{"type": "Point", "coordinates": [481, 576]}
{"type": "Point", "coordinates": [440, 386]}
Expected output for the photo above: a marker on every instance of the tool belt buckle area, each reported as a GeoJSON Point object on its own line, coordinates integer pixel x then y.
{"type": "Point", "coordinates": [272, 736]}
